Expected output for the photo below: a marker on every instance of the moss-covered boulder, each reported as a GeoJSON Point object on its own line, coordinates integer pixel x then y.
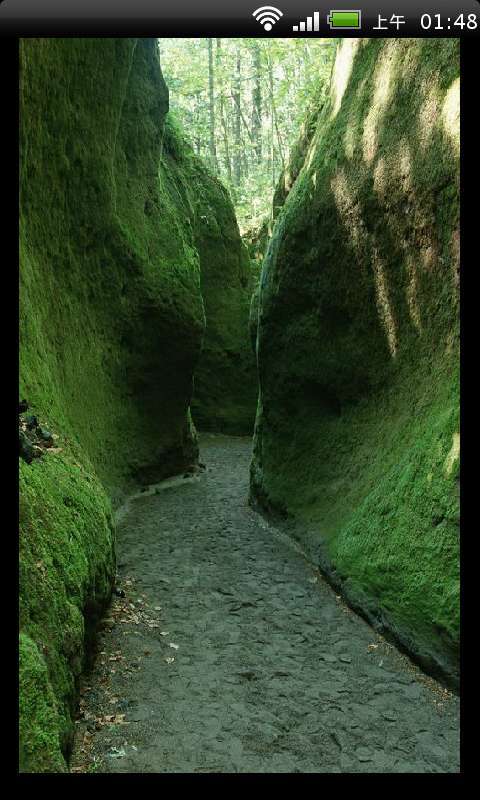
{"type": "Point", "coordinates": [111, 323]}
{"type": "Point", "coordinates": [357, 432]}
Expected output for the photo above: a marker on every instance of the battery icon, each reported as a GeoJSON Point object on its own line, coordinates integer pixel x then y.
{"type": "Point", "coordinates": [345, 20]}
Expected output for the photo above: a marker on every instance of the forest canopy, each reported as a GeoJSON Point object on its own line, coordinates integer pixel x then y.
{"type": "Point", "coordinates": [242, 102]}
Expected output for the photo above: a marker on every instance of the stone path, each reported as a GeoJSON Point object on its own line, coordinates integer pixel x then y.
{"type": "Point", "coordinates": [270, 672]}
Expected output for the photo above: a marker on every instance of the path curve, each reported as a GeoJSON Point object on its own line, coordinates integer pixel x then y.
{"type": "Point", "coordinates": [270, 671]}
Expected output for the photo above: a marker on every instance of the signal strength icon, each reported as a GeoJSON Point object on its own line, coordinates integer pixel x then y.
{"type": "Point", "coordinates": [310, 24]}
{"type": "Point", "coordinates": [267, 16]}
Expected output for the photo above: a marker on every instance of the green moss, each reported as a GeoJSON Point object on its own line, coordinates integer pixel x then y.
{"type": "Point", "coordinates": [39, 723]}
{"type": "Point", "coordinates": [67, 567]}
{"type": "Point", "coordinates": [358, 356]}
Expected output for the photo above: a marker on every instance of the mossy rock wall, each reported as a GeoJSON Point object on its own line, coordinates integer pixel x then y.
{"type": "Point", "coordinates": [111, 311]}
{"type": "Point", "coordinates": [226, 385]}
{"type": "Point", "coordinates": [257, 239]}
{"type": "Point", "coordinates": [357, 431]}
{"type": "Point", "coordinates": [111, 323]}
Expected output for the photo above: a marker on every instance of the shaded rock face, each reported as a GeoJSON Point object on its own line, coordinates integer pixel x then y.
{"type": "Point", "coordinates": [257, 239]}
{"type": "Point", "coordinates": [358, 417]}
{"type": "Point", "coordinates": [226, 385]}
{"type": "Point", "coordinates": [110, 273]}
{"type": "Point", "coordinates": [111, 326]}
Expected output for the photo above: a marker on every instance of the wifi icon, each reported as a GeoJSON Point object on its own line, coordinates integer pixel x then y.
{"type": "Point", "coordinates": [267, 16]}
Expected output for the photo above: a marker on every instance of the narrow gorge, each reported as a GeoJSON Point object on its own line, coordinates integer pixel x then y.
{"type": "Point", "coordinates": [239, 489]}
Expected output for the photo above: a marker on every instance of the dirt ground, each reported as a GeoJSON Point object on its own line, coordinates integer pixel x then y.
{"type": "Point", "coordinates": [230, 653]}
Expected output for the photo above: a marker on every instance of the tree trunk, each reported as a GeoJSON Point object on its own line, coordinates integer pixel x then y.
{"type": "Point", "coordinates": [274, 118]}
{"type": "Point", "coordinates": [237, 155]}
{"type": "Point", "coordinates": [198, 138]}
{"type": "Point", "coordinates": [257, 102]}
{"type": "Point", "coordinates": [272, 124]}
{"type": "Point", "coordinates": [211, 107]}
{"type": "Point", "coordinates": [226, 146]}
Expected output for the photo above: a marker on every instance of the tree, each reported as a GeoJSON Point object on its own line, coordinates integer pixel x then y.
{"type": "Point", "coordinates": [236, 95]}
{"type": "Point", "coordinates": [211, 107]}
{"type": "Point", "coordinates": [223, 122]}
{"type": "Point", "coordinates": [257, 101]}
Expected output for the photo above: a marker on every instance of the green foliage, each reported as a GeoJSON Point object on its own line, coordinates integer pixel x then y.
{"type": "Point", "coordinates": [357, 429]}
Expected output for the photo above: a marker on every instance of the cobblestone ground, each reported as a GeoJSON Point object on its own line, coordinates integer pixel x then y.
{"type": "Point", "coordinates": [229, 653]}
